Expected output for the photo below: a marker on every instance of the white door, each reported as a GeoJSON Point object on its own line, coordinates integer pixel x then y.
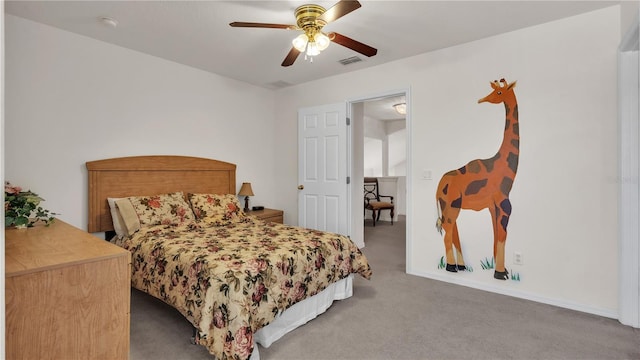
{"type": "Point", "coordinates": [322, 168]}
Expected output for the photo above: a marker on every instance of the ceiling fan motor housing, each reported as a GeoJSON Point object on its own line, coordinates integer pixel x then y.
{"type": "Point", "coordinates": [307, 19]}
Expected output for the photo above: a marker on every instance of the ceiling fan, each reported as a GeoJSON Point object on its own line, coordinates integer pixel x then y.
{"type": "Point", "coordinates": [311, 19]}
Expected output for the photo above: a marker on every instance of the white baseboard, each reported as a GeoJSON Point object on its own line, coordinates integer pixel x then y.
{"type": "Point", "coordinates": [609, 313]}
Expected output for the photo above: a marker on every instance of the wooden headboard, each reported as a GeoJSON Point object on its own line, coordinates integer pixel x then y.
{"type": "Point", "coordinates": [152, 175]}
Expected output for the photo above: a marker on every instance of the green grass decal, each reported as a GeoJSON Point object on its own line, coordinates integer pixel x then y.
{"type": "Point", "coordinates": [487, 264]}
{"type": "Point", "coordinates": [442, 264]}
{"type": "Point", "coordinates": [515, 276]}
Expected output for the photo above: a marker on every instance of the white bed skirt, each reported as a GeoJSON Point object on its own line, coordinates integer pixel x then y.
{"type": "Point", "coordinates": [301, 313]}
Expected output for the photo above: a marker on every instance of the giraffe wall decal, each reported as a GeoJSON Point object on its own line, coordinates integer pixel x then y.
{"type": "Point", "coordinates": [483, 184]}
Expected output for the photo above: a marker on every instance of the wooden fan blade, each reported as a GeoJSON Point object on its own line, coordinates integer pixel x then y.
{"type": "Point", "coordinates": [339, 10]}
{"type": "Point", "coordinates": [291, 57]}
{"type": "Point", "coordinates": [262, 25]}
{"type": "Point", "coordinates": [352, 44]}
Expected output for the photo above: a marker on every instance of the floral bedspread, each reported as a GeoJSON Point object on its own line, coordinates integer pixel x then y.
{"type": "Point", "coordinates": [229, 281]}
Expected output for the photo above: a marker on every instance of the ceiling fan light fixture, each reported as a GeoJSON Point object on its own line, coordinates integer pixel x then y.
{"type": "Point", "coordinates": [401, 108]}
{"type": "Point", "coordinates": [300, 42]}
{"type": "Point", "coordinates": [312, 49]}
{"type": "Point", "coordinates": [311, 18]}
{"type": "Point", "coordinates": [322, 41]}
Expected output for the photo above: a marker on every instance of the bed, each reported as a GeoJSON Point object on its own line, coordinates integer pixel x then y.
{"type": "Point", "coordinates": [238, 280]}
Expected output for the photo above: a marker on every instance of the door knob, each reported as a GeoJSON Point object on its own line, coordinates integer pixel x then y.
{"type": "Point", "coordinates": [300, 187]}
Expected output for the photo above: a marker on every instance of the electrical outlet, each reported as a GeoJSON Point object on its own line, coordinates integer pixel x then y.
{"type": "Point", "coordinates": [517, 258]}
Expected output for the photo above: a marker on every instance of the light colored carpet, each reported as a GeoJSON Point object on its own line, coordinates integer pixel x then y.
{"type": "Point", "coordinates": [399, 316]}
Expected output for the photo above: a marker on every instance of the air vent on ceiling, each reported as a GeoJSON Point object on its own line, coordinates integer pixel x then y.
{"type": "Point", "coordinates": [350, 60]}
{"type": "Point", "coordinates": [278, 84]}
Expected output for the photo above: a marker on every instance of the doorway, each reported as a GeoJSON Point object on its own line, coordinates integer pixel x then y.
{"type": "Point", "coordinates": [380, 146]}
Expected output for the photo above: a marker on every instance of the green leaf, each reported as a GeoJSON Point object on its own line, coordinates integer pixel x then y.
{"type": "Point", "coordinates": [22, 220]}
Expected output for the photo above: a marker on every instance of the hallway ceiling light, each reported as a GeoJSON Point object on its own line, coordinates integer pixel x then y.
{"type": "Point", "coordinates": [401, 108]}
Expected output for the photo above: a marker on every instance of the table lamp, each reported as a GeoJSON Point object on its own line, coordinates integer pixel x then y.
{"type": "Point", "coordinates": [246, 191]}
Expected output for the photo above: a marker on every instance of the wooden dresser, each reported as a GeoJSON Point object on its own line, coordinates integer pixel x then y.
{"type": "Point", "coordinates": [67, 295]}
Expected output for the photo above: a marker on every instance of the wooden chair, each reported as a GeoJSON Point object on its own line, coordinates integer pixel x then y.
{"type": "Point", "coordinates": [372, 199]}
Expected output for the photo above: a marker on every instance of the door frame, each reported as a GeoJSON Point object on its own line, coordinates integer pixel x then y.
{"type": "Point", "coordinates": [629, 164]}
{"type": "Point", "coordinates": [356, 168]}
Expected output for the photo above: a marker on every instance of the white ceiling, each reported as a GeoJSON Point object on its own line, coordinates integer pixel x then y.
{"type": "Point", "coordinates": [197, 33]}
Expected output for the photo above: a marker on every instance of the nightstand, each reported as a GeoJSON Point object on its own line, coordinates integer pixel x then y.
{"type": "Point", "coordinates": [272, 215]}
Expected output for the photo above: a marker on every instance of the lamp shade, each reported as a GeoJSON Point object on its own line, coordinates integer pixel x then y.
{"type": "Point", "coordinates": [312, 49]}
{"type": "Point", "coordinates": [245, 190]}
{"type": "Point", "coordinates": [300, 42]}
{"type": "Point", "coordinates": [322, 41]}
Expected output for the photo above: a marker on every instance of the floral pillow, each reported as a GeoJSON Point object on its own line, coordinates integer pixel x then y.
{"type": "Point", "coordinates": [216, 209]}
{"type": "Point", "coordinates": [164, 209]}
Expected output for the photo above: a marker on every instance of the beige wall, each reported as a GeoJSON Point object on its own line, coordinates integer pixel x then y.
{"type": "Point", "coordinates": [629, 15]}
{"type": "Point", "coordinates": [564, 196]}
{"type": "Point", "coordinates": [70, 99]}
